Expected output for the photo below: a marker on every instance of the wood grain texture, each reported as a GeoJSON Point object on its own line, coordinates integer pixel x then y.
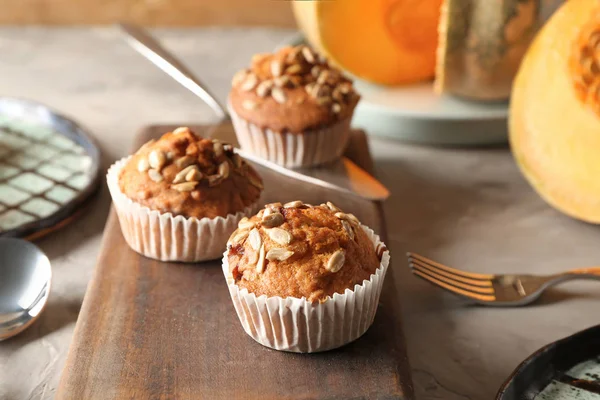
{"type": "Point", "coordinates": [148, 12]}
{"type": "Point", "coordinates": [152, 330]}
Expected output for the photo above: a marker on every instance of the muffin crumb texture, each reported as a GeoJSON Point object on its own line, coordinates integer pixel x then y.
{"type": "Point", "coordinates": [299, 250]}
{"type": "Point", "coordinates": [184, 174]}
{"type": "Point", "coordinates": [292, 90]}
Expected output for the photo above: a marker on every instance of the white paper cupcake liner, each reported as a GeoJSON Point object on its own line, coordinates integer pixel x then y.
{"type": "Point", "coordinates": [293, 150]}
{"type": "Point", "coordinates": [166, 237]}
{"type": "Point", "coordinates": [297, 325]}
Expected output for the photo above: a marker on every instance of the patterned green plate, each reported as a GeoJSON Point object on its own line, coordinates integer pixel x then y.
{"type": "Point", "coordinates": [48, 168]}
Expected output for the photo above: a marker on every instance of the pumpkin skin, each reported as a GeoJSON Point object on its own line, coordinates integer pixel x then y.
{"type": "Point", "coordinates": [554, 123]}
{"type": "Point", "coordinates": [388, 42]}
{"type": "Point", "coordinates": [481, 44]}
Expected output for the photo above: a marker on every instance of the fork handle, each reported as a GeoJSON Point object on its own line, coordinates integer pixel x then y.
{"type": "Point", "coordinates": [593, 271]}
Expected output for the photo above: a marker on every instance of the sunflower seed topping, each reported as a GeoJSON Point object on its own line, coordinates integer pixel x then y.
{"type": "Point", "coordinates": [184, 161]}
{"type": "Point", "coordinates": [348, 229]}
{"type": "Point", "coordinates": [332, 207]}
{"type": "Point", "coordinates": [249, 83]}
{"type": "Point", "coordinates": [352, 218]}
{"type": "Point", "coordinates": [157, 159]}
{"type": "Point", "coordinates": [276, 67]}
{"type": "Point", "coordinates": [308, 55]}
{"type": "Point", "coordinates": [143, 165]}
{"type": "Point", "coordinates": [181, 175]}
{"type": "Point", "coordinates": [280, 236]}
{"type": "Point", "coordinates": [245, 223]}
{"type": "Point", "coordinates": [193, 175]}
{"type": "Point", "coordinates": [249, 105]}
{"type": "Point", "coordinates": [336, 261]}
{"type": "Point", "coordinates": [255, 239]}
{"type": "Point", "coordinates": [260, 264]}
{"type": "Point", "coordinates": [237, 236]}
{"type": "Point", "coordinates": [278, 95]}
{"type": "Point", "coordinates": [224, 169]}
{"type": "Point", "coordinates": [293, 69]}
{"type": "Point", "coordinates": [315, 71]}
{"type": "Point", "coordinates": [181, 129]}
{"type": "Point", "coordinates": [155, 175]}
{"type": "Point", "coordinates": [272, 220]}
{"type": "Point", "coordinates": [214, 180]}
{"type": "Point", "coordinates": [293, 204]}
{"type": "Point", "coordinates": [264, 88]}
{"type": "Point", "coordinates": [336, 108]}
{"type": "Point", "coordinates": [278, 254]}
{"type": "Point", "coordinates": [185, 186]}
{"type": "Point", "coordinates": [238, 77]}
{"type": "Point", "coordinates": [218, 148]}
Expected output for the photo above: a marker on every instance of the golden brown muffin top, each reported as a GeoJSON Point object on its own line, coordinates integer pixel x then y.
{"type": "Point", "coordinates": [298, 250]}
{"type": "Point", "coordinates": [292, 90]}
{"type": "Point", "coordinates": [184, 174]}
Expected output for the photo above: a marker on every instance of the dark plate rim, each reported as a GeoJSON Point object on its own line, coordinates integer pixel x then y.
{"type": "Point", "coordinates": [73, 130]}
{"type": "Point", "coordinates": [535, 356]}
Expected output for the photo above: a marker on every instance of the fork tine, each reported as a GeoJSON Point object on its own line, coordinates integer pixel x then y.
{"type": "Point", "coordinates": [459, 278]}
{"type": "Point", "coordinates": [470, 275]}
{"type": "Point", "coordinates": [455, 290]}
{"type": "Point", "coordinates": [451, 281]}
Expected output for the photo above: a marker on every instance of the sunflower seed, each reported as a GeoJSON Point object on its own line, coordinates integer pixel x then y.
{"type": "Point", "coordinates": [323, 77]}
{"type": "Point", "coordinates": [155, 175]}
{"type": "Point", "coordinates": [184, 161]}
{"type": "Point", "coordinates": [264, 88]}
{"type": "Point", "coordinates": [214, 180]}
{"type": "Point", "coordinates": [308, 55]}
{"type": "Point", "coordinates": [348, 229]}
{"type": "Point", "coordinates": [259, 57]}
{"type": "Point", "coordinates": [185, 186]}
{"type": "Point", "coordinates": [280, 236]}
{"type": "Point", "coordinates": [336, 261]}
{"type": "Point", "coordinates": [345, 88]}
{"type": "Point", "coordinates": [237, 161]}
{"type": "Point", "coordinates": [310, 87]}
{"type": "Point", "coordinates": [143, 165]}
{"type": "Point", "coordinates": [238, 77]}
{"type": "Point", "coordinates": [315, 71]}
{"type": "Point", "coordinates": [336, 108]}
{"type": "Point", "coordinates": [249, 105]}
{"type": "Point", "coordinates": [272, 220]}
{"type": "Point", "coordinates": [293, 204]}
{"type": "Point", "coordinates": [282, 81]}
{"type": "Point", "coordinates": [245, 223]}
{"type": "Point", "coordinates": [341, 215]}
{"type": "Point", "coordinates": [273, 206]}
{"type": "Point", "coordinates": [193, 175]}
{"type": "Point", "coordinates": [278, 254]}
{"type": "Point", "coordinates": [249, 83]}
{"type": "Point", "coordinates": [278, 95]}
{"type": "Point", "coordinates": [293, 54]}
{"type": "Point", "coordinates": [237, 236]}
{"type": "Point", "coordinates": [260, 264]}
{"type": "Point", "coordinates": [276, 67]}
{"type": "Point", "coordinates": [218, 148]}
{"type": "Point", "coordinates": [337, 95]}
{"type": "Point", "coordinates": [224, 169]}
{"type": "Point", "coordinates": [180, 176]}
{"type": "Point", "coordinates": [255, 239]}
{"type": "Point", "coordinates": [157, 159]}
{"type": "Point", "coordinates": [266, 212]}
{"type": "Point", "coordinates": [181, 129]}
{"type": "Point", "coordinates": [332, 206]}
{"type": "Point", "coordinates": [293, 69]}
{"type": "Point", "coordinates": [352, 218]}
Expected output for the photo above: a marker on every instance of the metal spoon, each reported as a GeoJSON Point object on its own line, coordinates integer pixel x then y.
{"type": "Point", "coordinates": [349, 178]}
{"type": "Point", "coordinates": [25, 276]}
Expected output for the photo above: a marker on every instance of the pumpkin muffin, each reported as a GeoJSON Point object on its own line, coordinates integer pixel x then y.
{"type": "Point", "coordinates": [292, 107]}
{"type": "Point", "coordinates": [304, 278]}
{"type": "Point", "coordinates": [179, 198]}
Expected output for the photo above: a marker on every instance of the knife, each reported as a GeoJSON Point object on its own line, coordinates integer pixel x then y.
{"type": "Point", "coordinates": [343, 175]}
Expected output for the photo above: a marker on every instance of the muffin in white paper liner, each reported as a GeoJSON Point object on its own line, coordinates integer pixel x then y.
{"type": "Point", "coordinates": [166, 237]}
{"type": "Point", "coordinates": [297, 325]}
{"type": "Point", "coordinates": [293, 150]}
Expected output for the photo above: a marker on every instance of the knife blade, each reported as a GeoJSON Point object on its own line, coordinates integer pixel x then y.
{"type": "Point", "coordinates": [350, 178]}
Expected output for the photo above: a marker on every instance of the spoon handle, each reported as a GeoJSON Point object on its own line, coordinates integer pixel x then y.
{"type": "Point", "coordinates": [149, 47]}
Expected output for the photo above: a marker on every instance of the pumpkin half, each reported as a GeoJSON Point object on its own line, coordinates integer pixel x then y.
{"type": "Point", "coordinates": [481, 44]}
{"type": "Point", "coordinates": [388, 42]}
{"type": "Point", "coordinates": [555, 111]}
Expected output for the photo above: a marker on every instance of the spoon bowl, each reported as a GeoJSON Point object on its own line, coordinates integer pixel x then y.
{"type": "Point", "coordinates": [25, 276]}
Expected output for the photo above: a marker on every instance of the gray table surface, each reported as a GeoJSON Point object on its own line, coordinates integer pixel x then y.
{"type": "Point", "coordinates": [469, 208]}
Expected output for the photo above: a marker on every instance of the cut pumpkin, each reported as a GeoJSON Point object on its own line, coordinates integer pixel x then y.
{"type": "Point", "coordinates": [555, 111]}
{"type": "Point", "coordinates": [388, 42]}
{"type": "Point", "coordinates": [481, 44]}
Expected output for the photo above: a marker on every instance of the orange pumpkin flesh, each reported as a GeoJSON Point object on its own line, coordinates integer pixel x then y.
{"type": "Point", "coordinates": [388, 42]}
{"type": "Point", "coordinates": [555, 111]}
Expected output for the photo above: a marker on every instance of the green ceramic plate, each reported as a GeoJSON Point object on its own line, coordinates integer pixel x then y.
{"type": "Point", "coordinates": [48, 168]}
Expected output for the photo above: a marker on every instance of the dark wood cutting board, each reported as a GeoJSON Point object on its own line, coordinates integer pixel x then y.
{"type": "Point", "coordinates": [152, 330]}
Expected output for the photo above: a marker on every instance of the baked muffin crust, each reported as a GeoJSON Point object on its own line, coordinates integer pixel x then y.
{"type": "Point", "coordinates": [292, 90]}
{"type": "Point", "coordinates": [298, 250]}
{"type": "Point", "coordinates": [186, 175]}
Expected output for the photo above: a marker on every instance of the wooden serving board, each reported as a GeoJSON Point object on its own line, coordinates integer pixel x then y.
{"type": "Point", "coordinates": [154, 330]}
